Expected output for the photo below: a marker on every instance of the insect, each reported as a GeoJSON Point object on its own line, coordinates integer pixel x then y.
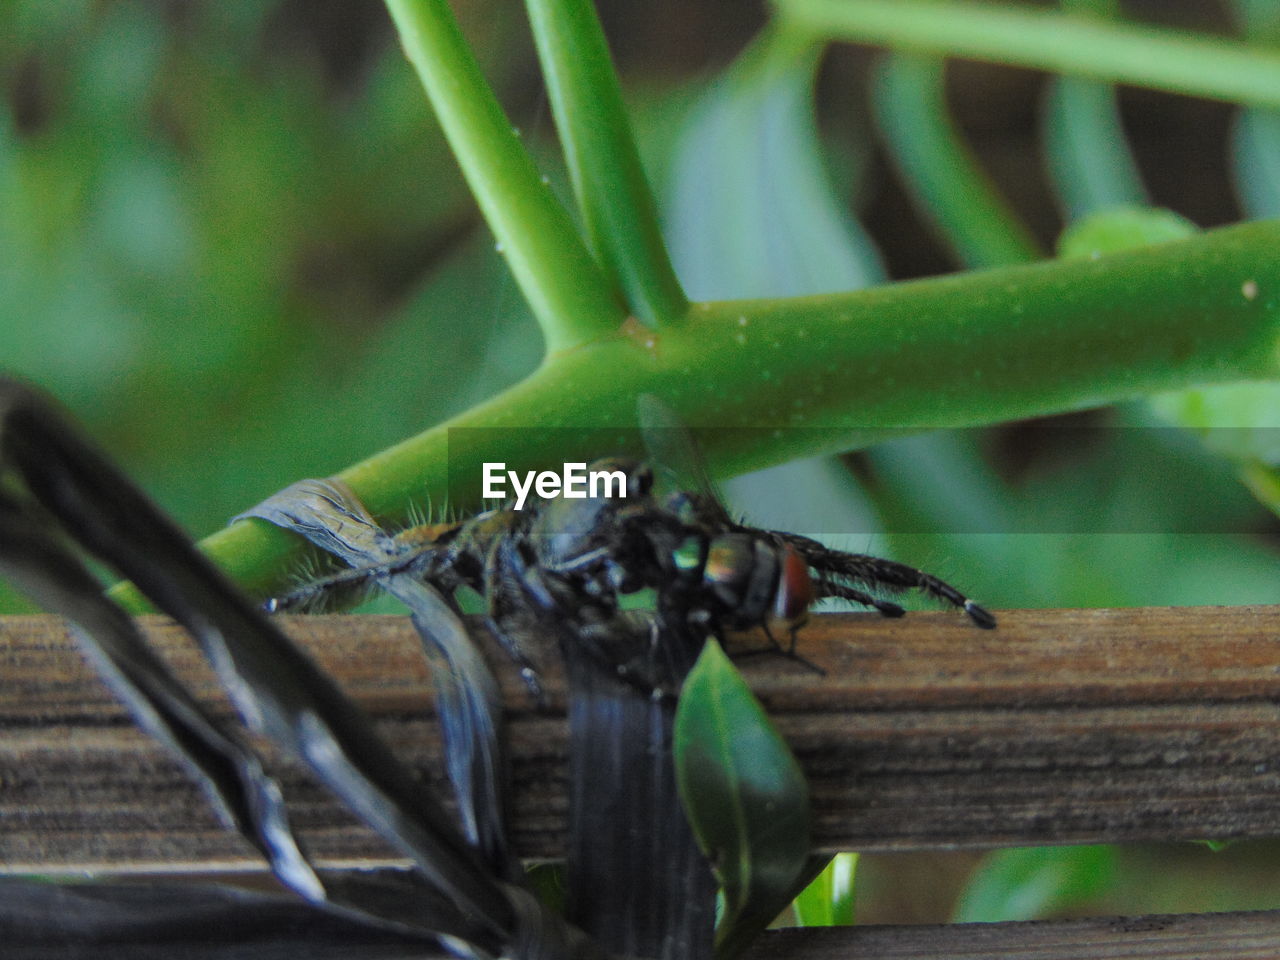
{"type": "Point", "coordinates": [568, 564]}
{"type": "Point", "coordinates": [726, 575]}
{"type": "Point", "coordinates": [562, 563]}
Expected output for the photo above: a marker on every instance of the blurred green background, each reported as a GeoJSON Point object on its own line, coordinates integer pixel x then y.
{"type": "Point", "coordinates": [233, 244]}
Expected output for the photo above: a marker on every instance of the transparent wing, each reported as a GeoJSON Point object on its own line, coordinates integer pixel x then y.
{"type": "Point", "coordinates": [678, 463]}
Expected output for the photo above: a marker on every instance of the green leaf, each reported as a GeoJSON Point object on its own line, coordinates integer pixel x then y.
{"type": "Point", "coordinates": [753, 208]}
{"type": "Point", "coordinates": [828, 901]}
{"type": "Point", "coordinates": [1257, 162]}
{"type": "Point", "coordinates": [1031, 882]}
{"type": "Point", "coordinates": [1256, 138]}
{"type": "Point", "coordinates": [1019, 35]}
{"type": "Point", "coordinates": [751, 211]}
{"type": "Point", "coordinates": [1240, 422]}
{"type": "Point", "coordinates": [1217, 846]}
{"type": "Point", "coordinates": [1121, 228]}
{"type": "Point", "coordinates": [745, 796]}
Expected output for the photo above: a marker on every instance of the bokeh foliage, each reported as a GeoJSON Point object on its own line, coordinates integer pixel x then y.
{"type": "Point", "coordinates": [234, 264]}
{"type": "Point", "coordinates": [242, 254]}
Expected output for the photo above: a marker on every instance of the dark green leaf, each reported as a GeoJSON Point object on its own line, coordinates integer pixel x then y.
{"type": "Point", "coordinates": [745, 796]}
{"type": "Point", "coordinates": [751, 211]}
{"type": "Point", "coordinates": [1240, 422]}
{"type": "Point", "coordinates": [1257, 132]}
{"type": "Point", "coordinates": [940, 170]}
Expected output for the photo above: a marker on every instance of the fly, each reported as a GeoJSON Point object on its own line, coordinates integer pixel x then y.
{"type": "Point", "coordinates": [727, 575]}
{"type": "Point", "coordinates": [565, 565]}
{"type": "Point", "coordinates": [555, 561]}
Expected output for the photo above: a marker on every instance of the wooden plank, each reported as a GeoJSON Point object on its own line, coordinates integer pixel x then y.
{"type": "Point", "coordinates": [1211, 936]}
{"type": "Point", "coordinates": [1061, 726]}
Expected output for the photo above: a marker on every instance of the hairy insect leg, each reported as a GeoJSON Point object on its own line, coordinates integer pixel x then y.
{"type": "Point", "coordinates": [775, 649]}
{"type": "Point", "coordinates": [834, 566]}
{"type": "Point", "coordinates": [845, 592]}
{"type": "Point", "coordinates": [508, 583]}
{"type": "Point", "coordinates": [323, 592]}
{"type": "Point", "coordinates": [507, 625]}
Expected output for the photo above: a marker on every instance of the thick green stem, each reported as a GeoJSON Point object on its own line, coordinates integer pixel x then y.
{"type": "Point", "coordinates": [826, 373]}
{"type": "Point", "coordinates": [613, 194]}
{"type": "Point", "coordinates": [570, 296]}
{"type": "Point", "coordinates": [1051, 40]}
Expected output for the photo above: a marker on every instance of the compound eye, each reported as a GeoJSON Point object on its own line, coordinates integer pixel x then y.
{"type": "Point", "coordinates": [795, 591]}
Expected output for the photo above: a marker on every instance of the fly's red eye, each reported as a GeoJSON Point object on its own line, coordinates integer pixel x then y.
{"type": "Point", "coordinates": [795, 591]}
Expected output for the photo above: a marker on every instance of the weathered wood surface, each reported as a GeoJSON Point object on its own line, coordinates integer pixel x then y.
{"type": "Point", "coordinates": [1213, 936]}
{"type": "Point", "coordinates": [1210, 936]}
{"type": "Point", "coordinates": [1059, 727]}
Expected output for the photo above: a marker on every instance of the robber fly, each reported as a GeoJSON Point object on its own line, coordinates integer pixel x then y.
{"type": "Point", "coordinates": [568, 564]}
{"type": "Point", "coordinates": [558, 565]}
{"type": "Point", "coordinates": [726, 575]}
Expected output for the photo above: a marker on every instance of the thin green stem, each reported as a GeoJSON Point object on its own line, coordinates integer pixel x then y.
{"type": "Point", "coordinates": [832, 372]}
{"type": "Point", "coordinates": [570, 295]}
{"type": "Point", "coordinates": [613, 194]}
{"type": "Point", "coordinates": [1257, 133]}
{"type": "Point", "coordinates": [940, 169]}
{"type": "Point", "coordinates": [1171, 60]}
{"type": "Point", "coordinates": [1085, 146]}
{"type": "Point", "coordinates": [1087, 154]}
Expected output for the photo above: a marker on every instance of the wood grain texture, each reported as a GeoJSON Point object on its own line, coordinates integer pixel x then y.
{"type": "Point", "coordinates": [1212, 936]}
{"type": "Point", "coordinates": [1062, 726]}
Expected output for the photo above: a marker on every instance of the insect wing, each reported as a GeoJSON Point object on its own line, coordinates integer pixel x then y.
{"type": "Point", "coordinates": [680, 469]}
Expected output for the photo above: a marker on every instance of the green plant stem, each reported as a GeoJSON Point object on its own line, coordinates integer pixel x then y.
{"type": "Point", "coordinates": [939, 168]}
{"type": "Point", "coordinates": [1257, 134]}
{"type": "Point", "coordinates": [1085, 147]}
{"type": "Point", "coordinates": [1086, 150]}
{"type": "Point", "coordinates": [1171, 60]}
{"type": "Point", "coordinates": [571, 297]}
{"type": "Point", "coordinates": [613, 194]}
{"type": "Point", "coordinates": [833, 372]}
